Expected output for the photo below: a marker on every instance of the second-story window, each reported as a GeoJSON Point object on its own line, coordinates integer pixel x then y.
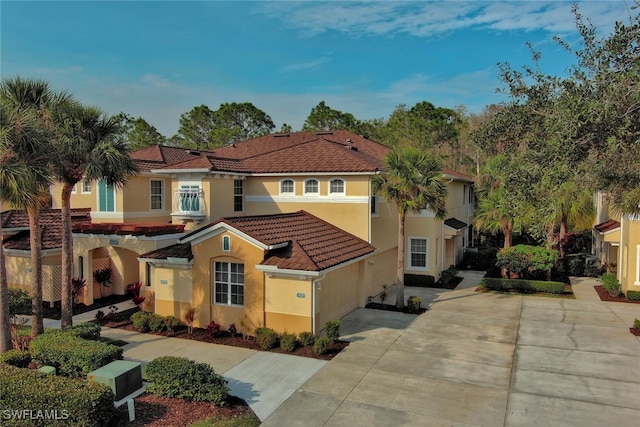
{"type": "Point", "coordinates": [311, 186]}
{"type": "Point", "coordinates": [238, 195]}
{"type": "Point", "coordinates": [106, 197]}
{"type": "Point", "coordinates": [336, 186]}
{"type": "Point", "coordinates": [86, 186]}
{"type": "Point", "coordinates": [156, 190]}
{"type": "Point", "coordinates": [287, 186]}
{"type": "Point", "coordinates": [374, 205]}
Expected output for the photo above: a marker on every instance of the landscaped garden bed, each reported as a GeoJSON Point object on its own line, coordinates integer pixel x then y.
{"type": "Point", "coordinates": [606, 296]}
{"type": "Point", "coordinates": [123, 320]}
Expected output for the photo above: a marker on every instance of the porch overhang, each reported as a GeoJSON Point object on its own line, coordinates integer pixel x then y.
{"type": "Point", "coordinates": [454, 227]}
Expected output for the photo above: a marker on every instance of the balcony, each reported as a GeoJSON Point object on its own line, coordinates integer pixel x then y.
{"type": "Point", "coordinates": [188, 205]}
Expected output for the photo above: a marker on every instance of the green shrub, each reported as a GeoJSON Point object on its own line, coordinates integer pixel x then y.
{"type": "Point", "coordinates": [321, 345]}
{"type": "Point", "coordinates": [70, 355]}
{"type": "Point", "coordinates": [522, 285]}
{"type": "Point", "coordinates": [85, 330]}
{"type": "Point", "coordinates": [266, 337]}
{"type": "Point", "coordinates": [636, 323]}
{"type": "Point", "coordinates": [576, 267]}
{"type": "Point", "coordinates": [526, 260]}
{"type": "Point", "coordinates": [591, 270]}
{"type": "Point", "coordinates": [140, 320]}
{"type": "Point", "coordinates": [172, 323]}
{"type": "Point", "coordinates": [76, 402]}
{"type": "Point", "coordinates": [289, 342]}
{"type": "Point", "coordinates": [419, 280]}
{"type": "Point", "coordinates": [185, 379]}
{"type": "Point", "coordinates": [19, 302]}
{"type": "Point", "coordinates": [413, 304]}
{"type": "Point", "coordinates": [17, 358]}
{"type": "Point", "coordinates": [447, 275]}
{"type": "Point", "coordinates": [156, 322]}
{"type": "Point", "coordinates": [307, 339]}
{"type": "Point", "coordinates": [480, 259]}
{"type": "Point", "coordinates": [332, 329]}
{"type": "Point", "coordinates": [633, 295]}
{"type": "Point", "coordinates": [611, 284]}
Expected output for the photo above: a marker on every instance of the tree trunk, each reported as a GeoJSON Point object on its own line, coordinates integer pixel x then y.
{"type": "Point", "coordinates": [37, 326]}
{"type": "Point", "coordinates": [67, 258]}
{"type": "Point", "coordinates": [5, 327]}
{"type": "Point", "coordinates": [400, 265]}
{"type": "Point", "coordinates": [563, 232]}
{"type": "Point", "coordinates": [507, 229]}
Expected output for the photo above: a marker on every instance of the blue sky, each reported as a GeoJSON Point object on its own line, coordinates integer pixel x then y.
{"type": "Point", "coordinates": [158, 60]}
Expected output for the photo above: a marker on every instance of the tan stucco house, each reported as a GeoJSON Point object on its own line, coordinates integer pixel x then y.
{"type": "Point", "coordinates": [190, 224]}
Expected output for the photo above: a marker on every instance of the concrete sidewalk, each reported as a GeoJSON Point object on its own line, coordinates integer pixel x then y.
{"type": "Point", "coordinates": [479, 359]}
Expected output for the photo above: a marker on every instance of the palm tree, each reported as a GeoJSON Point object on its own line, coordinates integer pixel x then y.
{"type": "Point", "coordinates": [413, 180]}
{"type": "Point", "coordinates": [89, 149]}
{"type": "Point", "coordinates": [494, 214]}
{"type": "Point", "coordinates": [27, 123]}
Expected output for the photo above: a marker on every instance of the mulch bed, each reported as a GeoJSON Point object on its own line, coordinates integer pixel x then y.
{"type": "Point", "coordinates": [635, 331]}
{"type": "Point", "coordinates": [568, 292]}
{"type": "Point", "coordinates": [389, 307]}
{"type": "Point", "coordinates": [122, 320]}
{"type": "Point", "coordinates": [605, 296]}
{"type": "Point", "coordinates": [166, 411]}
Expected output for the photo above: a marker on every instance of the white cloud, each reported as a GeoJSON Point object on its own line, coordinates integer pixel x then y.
{"type": "Point", "coordinates": [305, 65]}
{"type": "Point", "coordinates": [429, 19]}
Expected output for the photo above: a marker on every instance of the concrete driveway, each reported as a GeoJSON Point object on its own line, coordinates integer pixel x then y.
{"type": "Point", "coordinates": [479, 360]}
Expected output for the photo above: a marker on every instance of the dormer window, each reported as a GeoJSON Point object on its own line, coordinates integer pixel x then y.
{"type": "Point", "coordinates": [287, 186]}
{"type": "Point", "coordinates": [336, 187]}
{"type": "Point", "coordinates": [311, 186]}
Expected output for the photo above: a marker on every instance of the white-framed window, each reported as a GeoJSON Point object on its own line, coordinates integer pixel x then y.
{"type": "Point", "coordinates": [156, 192]}
{"type": "Point", "coordinates": [374, 204]}
{"type": "Point", "coordinates": [226, 243]}
{"type": "Point", "coordinates": [238, 198]}
{"type": "Point", "coordinates": [74, 190]}
{"type": "Point", "coordinates": [228, 283]}
{"type": "Point", "coordinates": [311, 186]}
{"type": "Point", "coordinates": [287, 186]}
{"type": "Point", "coordinates": [336, 187]}
{"type": "Point", "coordinates": [418, 253]}
{"type": "Point", "coordinates": [86, 186]}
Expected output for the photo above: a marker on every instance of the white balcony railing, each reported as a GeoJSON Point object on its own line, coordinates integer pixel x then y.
{"type": "Point", "coordinates": [188, 205]}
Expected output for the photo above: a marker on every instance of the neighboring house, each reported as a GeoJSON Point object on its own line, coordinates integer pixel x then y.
{"type": "Point", "coordinates": [282, 181]}
{"type": "Point", "coordinates": [616, 242]}
{"type": "Point", "coordinates": [17, 248]}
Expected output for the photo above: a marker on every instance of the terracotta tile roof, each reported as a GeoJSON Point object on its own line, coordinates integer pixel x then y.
{"type": "Point", "coordinates": [314, 244]}
{"type": "Point", "coordinates": [179, 250]}
{"type": "Point", "coordinates": [457, 175]}
{"type": "Point", "coordinates": [160, 156]}
{"type": "Point", "coordinates": [454, 223]}
{"type": "Point", "coordinates": [606, 226]}
{"type": "Point", "coordinates": [129, 229]}
{"type": "Point", "coordinates": [50, 227]}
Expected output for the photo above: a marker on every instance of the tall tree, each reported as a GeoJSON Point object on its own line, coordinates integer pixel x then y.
{"type": "Point", "coordinates": [412, 179]}
{"type": "Point", "coordinates": [196, 127]}
{"type": "Point", "coordinates": [325, 118]}
{"type": "Point", "coordinates": [20, 183]}
{"type": "Point", "coordinates": [239, 121]}
{"type": "Point", "coordinates": [138, 132]}
{"type": "Point", "coordinates": [32, 97]}
{"type": "Point", "coordinates": [91, 148]}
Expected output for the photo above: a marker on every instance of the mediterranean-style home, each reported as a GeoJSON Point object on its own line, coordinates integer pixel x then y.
{"type": "Point", "coordinates": [282, 230]}
{"type": "Point", "coordinates": [617, 242]}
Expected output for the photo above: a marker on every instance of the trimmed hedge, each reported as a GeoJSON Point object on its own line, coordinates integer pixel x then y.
{"type": "Point", "coordinates": [522, 285]}
{"type": "Point", "coordinates": [611, 284]}
{"type": "Point", "coordinates": [73, 402]}
{"type": "Point", "coordinates": [288, 342]}
{"type": "Point", "coordinates": [633, 295]}
{"type": "Point", "coordinates": [70, 355]}
{"type": "Point", "coordinates": [307, 338]}
{"type": "Point", "coordinates": [321, 345]}
{"type": "Point", "coordinates": [85, 330]}
{"type": "Point", "coordinates": [140, 320]}
{"type": "Point", "coordinates": [419, 280]}
{"type": "Point", "coordinates": [17, 358]}
{"type": "Point", "coordinates": [185, 379]}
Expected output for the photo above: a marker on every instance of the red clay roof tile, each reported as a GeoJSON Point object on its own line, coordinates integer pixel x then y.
{"type": "Point", "coordinates": [606, 226]}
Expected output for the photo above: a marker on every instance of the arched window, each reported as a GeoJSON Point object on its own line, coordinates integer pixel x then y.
{"type": "Point", "coordinates": [287, 186]}
{"type": "Point", "coordinates": [336, 186]}
{"type": "Point", "coordinates": [311, 186]}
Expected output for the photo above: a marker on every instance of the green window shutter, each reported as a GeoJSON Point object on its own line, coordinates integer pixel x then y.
{"type": "Point", "coordinates": [106, 197]}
